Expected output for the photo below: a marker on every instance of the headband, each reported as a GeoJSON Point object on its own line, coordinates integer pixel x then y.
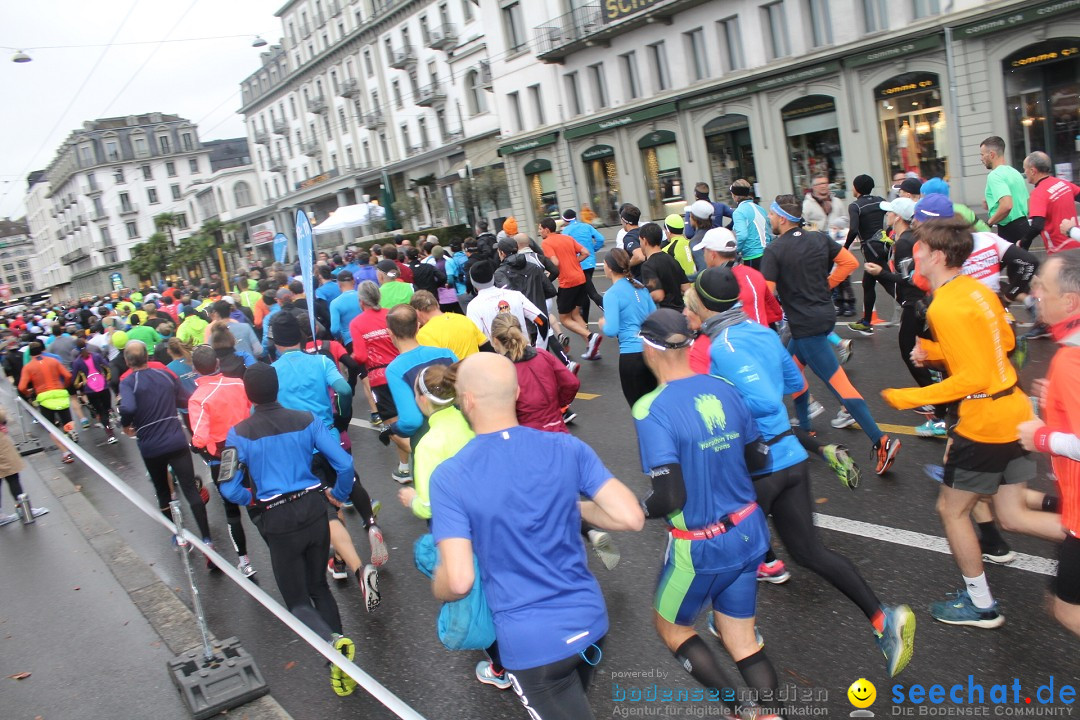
{"type": "Point", "coordinates": [775, 207]}
{"type": "Point", "coordinates": [740, 191]}
{"type": "Point", "coordinates": [432, 398]}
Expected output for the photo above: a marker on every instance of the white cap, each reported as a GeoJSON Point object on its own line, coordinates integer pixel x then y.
{"type": "Point", "coordinates": [720, 240]}
{"type": "Point", "coordinates": [702, 209]}
{"type": "Point", "coordinates": [902, 206]}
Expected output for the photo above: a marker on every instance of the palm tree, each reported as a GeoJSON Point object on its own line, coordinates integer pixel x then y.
{"type": "Point", "coordinates": [167, 221]}
{"type": "Point", "coordinates": [151, 257]}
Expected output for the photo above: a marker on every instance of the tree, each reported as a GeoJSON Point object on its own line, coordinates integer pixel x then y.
{"type": "Point", "coordinates": [195, 251]}
{"type": "Point", "coordinates": [167, 221]}
{"type": "Point", "coordinates": [151, 257]}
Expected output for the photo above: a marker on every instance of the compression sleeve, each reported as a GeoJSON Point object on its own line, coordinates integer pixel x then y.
{"type": "Point", "coordinates": [1020, 267]}
{"type": "Point", "coordinates": [668, 492]}
{"type": "Point", "coordinates": [845, 265]}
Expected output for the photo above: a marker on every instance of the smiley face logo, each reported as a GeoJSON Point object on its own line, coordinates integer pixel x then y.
{"type": "Point", "coordinates": [862, 693]}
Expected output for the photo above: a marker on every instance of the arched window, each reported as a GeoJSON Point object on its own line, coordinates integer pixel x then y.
{"type": "Point", "coordinates": [475, 98]}
{"type": "Point", "coordinates": [242, 194]}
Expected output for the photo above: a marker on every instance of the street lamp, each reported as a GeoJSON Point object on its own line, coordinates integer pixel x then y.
{"type": "Point", "coordinates": [258, 42]}
{"type": "Point", "coordinates": [20, 57]}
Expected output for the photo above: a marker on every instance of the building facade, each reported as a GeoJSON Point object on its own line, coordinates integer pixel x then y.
{"type": "Point", "coordinates": [16, 257]}
{"type": "Point", "coordinates": [635, 101]}
{"type": "Point", "coordinates": [385, 102]}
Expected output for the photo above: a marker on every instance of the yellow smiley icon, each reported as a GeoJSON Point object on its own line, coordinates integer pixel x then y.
{"type": "Point", "coordinates": [862, 693]}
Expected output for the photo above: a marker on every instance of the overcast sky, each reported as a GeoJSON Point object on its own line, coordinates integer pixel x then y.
{"type": "Point", "coordinates": [199, 80]}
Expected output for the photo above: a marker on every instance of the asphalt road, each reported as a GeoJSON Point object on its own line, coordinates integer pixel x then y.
{"type": "Point", "coordinates": [818, 641]}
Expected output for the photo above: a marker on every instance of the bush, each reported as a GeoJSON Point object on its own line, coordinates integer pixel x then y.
{"type": "Point", "coordinates": [446, 236]}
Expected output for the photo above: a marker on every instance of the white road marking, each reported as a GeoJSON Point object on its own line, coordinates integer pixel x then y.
{"type": "Point", "coordinates": [933, 543]}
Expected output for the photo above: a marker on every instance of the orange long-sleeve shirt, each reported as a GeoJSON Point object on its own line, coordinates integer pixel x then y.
{"type": "Point", "coordinates": [972, 340]}
{"type": "Point", "coordinates": [44, 374]}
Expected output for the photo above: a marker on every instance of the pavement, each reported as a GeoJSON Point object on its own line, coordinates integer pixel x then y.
{"type": "Point", "coordinates": [818, 641]}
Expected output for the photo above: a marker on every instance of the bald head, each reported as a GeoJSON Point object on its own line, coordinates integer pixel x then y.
{"type": "Point", "coordinates": [487, 391]}
{"type": "Point", "coordinates": [522, 241]}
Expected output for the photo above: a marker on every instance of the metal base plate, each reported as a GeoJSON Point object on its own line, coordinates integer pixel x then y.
{"type": "Point", "coordinates": [209, 688]}
{"type": "Point", "coordinates": [29, 446]}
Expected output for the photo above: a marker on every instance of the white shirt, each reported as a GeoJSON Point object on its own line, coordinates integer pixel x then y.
{"type": "Point", "coordinates": [492, 301]}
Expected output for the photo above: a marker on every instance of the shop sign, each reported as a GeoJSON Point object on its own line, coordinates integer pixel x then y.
{"type": "Point", "coordinates": [536, 166]}
{"type": "Point", "coordinates": [621, 120]}
{"type": "Point", "coordinates": [823, 104]}
{"type": "Point", "coordinates": [596, 152]}
{"type": "Point", "coordinates": [910, 84]}
{"type": "Point", "coordinates": [618, 9]}
{"type": "Point", "coordinates": [769, 83]}
{"type": "Point", "coordinates": [117, 281]}
{"type": "Point", "coordinates": [1017, 17]}
{"type": "Point", "coordinates": [654, 139]}
{"type": "Point", "coordinates": [526, 145]}
{"type": "Point", "coordinates": [917, 46]}
{"type": "Point", "coordinates": [1051, 52]}
{"type": "Point", "coordinates": [317, 180]}
{"type": "Point", "coordinates": [263, 233]}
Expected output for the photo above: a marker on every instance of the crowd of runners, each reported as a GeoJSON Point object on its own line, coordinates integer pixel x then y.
{"type": "Point", "coordinates": [463, 358]}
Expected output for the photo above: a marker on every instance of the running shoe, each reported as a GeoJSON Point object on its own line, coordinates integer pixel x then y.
{"type": "Point", "coordinates": [885, 453]}
{"type": "Point", "coordinates": [486, 675]}
{"type": "Point", "coordinates": [564, 340]}
{"type": "Point", "coordinates": [569, 416]}
{"type": "Point", "coordinates": [1038, 330]}
{"type": "Point", "coordinates": [897, 641]}
{"type": "Point", "coordinates": [402, 476]}
{"type": "Point", "coordinates": [716, 634]}
{"type": "Point", "coordinates": [244, 566]}
{"type": "Point", "coordinates": [176, 544]}
{"type": "Point", "coordinates": [210, 563]}
{"type": "Point", "coordinates": [998, 554]}
{"type": "Point", "coordinates": [862, 327]}
{"type": "Point", "coordinates": [842, 419]}
{"type": "Point", "coordinates": [347, 505]}
{"type": "Point", "coordinates": [74, 437]}
{"type": "Point", "coordinates": [573, 367]}
{"type": "Point", "coordinates": [604, 547]}
{"type": "Point", "coordinates": [8, 519]}
{"type": "Point", "coordinates": [934, 472]}
{"type": "Point", "coordinates": [592, 347]}
{"type": "Point", "coordinates": [840, 461]}
{"type": "Point", "coordinates": [376, 419]}
{"type": "Point", "coordinates": [112, 440]}
{"type": "Point", "coordinates": [343, 684]}
{"type": "Point", "coordinates": [959, 610]}
{"type": "Point", "coordinates": [844, 351]}
{"type": "Point", "coordinates": [376, 506]}
{"type": "Point", "coordinates": [932, 428]}
{"type": "Point", "coordinates": [927, 410]}
{"type": "Point", "coordinates": [85, 422]}
{"type": "Point", "coordinates": [773, 572]}
{"type": "Point", "coordinates": [816, 409]}
{"type": "Point", "coordinates": [67, 459]}
{"type": "Point", "coordinates": [379, 554]}
{"type": "Point", "coordinates": [337, 569]}
{"type": "Point", "coordinates": [368, 577]}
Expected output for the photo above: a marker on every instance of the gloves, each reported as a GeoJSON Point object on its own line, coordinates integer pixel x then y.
{"type": "Point", "coordinates": [384, 436]}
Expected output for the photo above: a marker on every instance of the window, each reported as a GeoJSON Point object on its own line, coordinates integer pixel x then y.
{"type": "Point", "coordinates": [514, 26]}
{"type": "Point", "coordinates": [395, 90]}
{"type": "Point", "coordinates": [170, 169]}
{"type": "Point", "coordinates": [118, 175]}
{"type": "Point", "coordinates": [242, 194]}
{"type": "Point", "coordinates": [631, 81]}
{"type": "Point", "coordinates": [818, 10]}
{"type": "Point", "coordinates": [776, 37]}
{"type": "Point", "coordinates": [181, 221]}
{"type": "Point", "coordinates": [466, 9]}
{"type": "Point", "coordinates": [175, 191]}
{"type": "Point", "coordinates": [341, 118]}
{"type": "Point", "coordinates": [292, 106]}
{"type": "Point", "coordinates": [193, 165]}
{"type": "Point", "coordinates": [414, 83]}
{"type": "Point", "coordinates": [147, 173]}
{"type": "Point", "coordinates": [731, 41]}
{"type": "Point", "coordinates": [132, 229]}
{"type": "Point", "coordinates": [349, 158]}
{"type": "Point", "coordinates": [515, 111]}
{"type": "Point", "coordinates": [475, 93]}
{"type": "Point", "coordinates": [164, 144]}
{"type": "Point", "coordinates": [106, 236]}
{"type": "Point", "coordinates": [876, 15]}
{"type": "Point", "coordinates": [573, 92]}
{"type": "Point", "coordinates": [185, 141]}
{"type": "Point", "coordinates": [140, 147]}
{"type": "Point", "coordinates": [384, 146]}
{"type": "Point", "coordinates": [661, 75]}
{"type": "Point", "coordinates": [333, 81]}
{"type": "Point", "coordinates": [695, 54]}
{"type": "Point", "coordinates": [599, 85]}
{"type": "Point", "coordinates": [405, 140]}
{"type": "Point", "coordinates": [538, 103]}
{"type": "Point", "coordinates": [422, 125]}
{"type": "Point", "coordinates": [87, 155]}
{"type": "Point", "coordinates": [927, 8]}
{"type": "Point", "coordinates": [366, 147]}
{"type": "Point", "coordinates": [425, 34]}
{"type": "Point", "coordinates": [111, 151]}
{"type": "Point", "coordinates": [151, 195]}
{"type": "Point", "coordinates": [368, 67]}
{"type": "Point", "coordinates": [125, 202]}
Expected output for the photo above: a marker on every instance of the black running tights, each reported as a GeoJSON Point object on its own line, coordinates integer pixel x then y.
{"type": "Point", "coordinates": [184, 475]}
{"type": "Point", "coordinates": [557, 691]}
{"type": "Point", "coordinates": [14, 486]}
{"type": "Point", "coordinates": [232, 515]}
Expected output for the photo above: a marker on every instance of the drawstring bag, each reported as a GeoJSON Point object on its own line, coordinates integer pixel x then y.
{"type": "Point", "coordinates": [464, 624]}
{"type": "Point", "coordinates": [95, 381]}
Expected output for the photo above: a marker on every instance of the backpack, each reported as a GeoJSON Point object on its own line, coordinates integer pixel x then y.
{"type": "Point", "coordinates": [95, 381]}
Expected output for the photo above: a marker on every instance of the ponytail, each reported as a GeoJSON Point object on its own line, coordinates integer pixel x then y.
{"type": "Point", "coordinates": [506, 329]}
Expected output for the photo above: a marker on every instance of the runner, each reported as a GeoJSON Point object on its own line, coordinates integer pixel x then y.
{"type": "Point", "coordinates": [590, 238]}
{"type": "Point", "coordinates": [91, 376]}
{"type": "Point", "coordinates": [983, 457]}
{"type": "Point", "coordinates": [750, 224]}
{"type": "Point", "coordinates": [721, 249]}
{"type": "Point", "coordinates": [403, 324]}
{"type": "Point", "coordinates": [566, 253]}
{"type": "Point", "coordinates": [49, 381]}
{"type": "Point", "coordinates": [866, 223]}
{"type": "Point", "coordinates": [661, 273]}
{"type": "Point", "coordinates": [1006, 192]}
{"type": "Point", "coordinates": [392, 289]}
{"type": "Point", "coordinates": [452, 331]}
{"type": "Point", "coordinates": [491, 301]}
{"type": "Point", "coordinates": [627, 304]}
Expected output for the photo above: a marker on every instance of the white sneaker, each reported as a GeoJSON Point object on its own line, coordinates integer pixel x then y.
{"type": "Point", "coordinates": [368, 577]}
{"type": "Point", "coordinates": [843, 351]}
{"type": "Point", "coordinates": [244, 566]}
{"type": "Point", "coordinates": [379, 554]}
{"type": "Point", "coordinates": [842, 420]}
{"type": "Point", "coordinates": [816, 409]}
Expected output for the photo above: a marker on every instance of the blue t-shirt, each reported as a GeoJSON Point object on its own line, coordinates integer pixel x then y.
{"type": "Point", "coordinates": [304, 383]}
{"type": "Point", "coordinates": [186, 374]}
{"type": "Point", "coordinates": [328, 291]}
{"type": "Point", "coordinates": [625, 308]}
{"type": "Point", "coordinates": [401, 374]}
{"type": "Point", "coordinates": [514, 495]}
{"type": "Point", "coordinates": [702, 424]}
{"type": "Point", "coordinates": [588, 237]}
{"type": "Point", "coordinates": [343, 309]}
{"type": "Point", "coordinates": [752, 358]}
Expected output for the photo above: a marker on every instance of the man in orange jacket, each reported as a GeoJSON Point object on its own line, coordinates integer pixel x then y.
{"type": "Point", "coordinates": [49, 380]}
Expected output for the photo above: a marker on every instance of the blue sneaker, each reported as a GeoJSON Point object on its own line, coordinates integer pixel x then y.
{"type": "Point", "coordinates": [932, 428]}
{"type": "Point", "coordinates": [485, 675]}
{"type": "Point", "coordinates": [897, 642]}
{"type": "Point", "coordinates": [959, 610]}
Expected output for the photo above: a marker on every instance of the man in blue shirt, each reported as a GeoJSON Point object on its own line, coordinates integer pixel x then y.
{"type": "Point", "coordinates": [328, 289]}
{"type": "Point", "coordinates": [403, 324]}
{"type": "Point", "coordinates": [549, 613]}
{"type": "Point", "coordinates": [288, 504]}
{"type": "Point", "coordinates": [343, 309]}
{"type": "Point", "coordinates": [588, 237]}
{"type": "Point", "coordinates": [751, 357]}
{"type": "Point", "coordinates": [699, 444]}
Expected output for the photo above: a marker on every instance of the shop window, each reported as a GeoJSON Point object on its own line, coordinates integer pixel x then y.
{"type": "Point", "coordinates": [813, 142]}
{"type": "Point", "coordinates": [602, 175]}
{"type": "Point", "coordinates": [1042, 84]}
{"type": "Point", "coordinates": [663, 173]}
{"type": "Point", "coordinates": [727, 141]}
{"type": "Point", "coordinates": [541, 183]}
{"type": "Point", "coordinates": [914, 135]}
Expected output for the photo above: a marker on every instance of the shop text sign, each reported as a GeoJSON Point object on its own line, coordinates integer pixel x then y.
{"type": "Point", "coordinates": [620, 120]}
{"type": "Point", "coordinates": [1046, 57]}
{"type": "Point", "coordinates": [531, 144]}
{"type": "Point", "coordinates": [894, 52]}
{"type": "Point", "coordinates": [618, 9]}
{"type": "Point", "coordinates": [769, 83]}
{"type": "Point", "coordinates": [1020, 17]}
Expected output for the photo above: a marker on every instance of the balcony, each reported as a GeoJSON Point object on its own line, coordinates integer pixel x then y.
{"type": "Point", "coordinates": [74, 256]}
{"type": "Point", "coordinates": [104, 246]}
{"type": "Point", "coordinates": [129, 209]}
{"type": "Point", "coordinates": [262, 137]}
{"type": "Point", "coordinates": [99, 216]}
{"type": "Point", "coordinates": [442, 38]}
{"type": "Point", "coordinates": [92, 192]}
{"type": "Point", "coordinates": [281, 127]}
{"type": "Point", "coordinates": [554, 38]}
{"type": "Point", "coordinates": [374, 121]}
{"type": "Point", "coordinates": [414, 150]}
{"type": "Point", "coordinates": [431, 95]}
{"type": "Point", "coordinates": [350, 87]}
{"type": "Point", "coordinates": [277, 165]}
{"type": "Point", "coordinates": [452, 137]}
{"type": "Point", "coordinates": [312, 148]}
{"type": "Point", "coordinates": [403, 57]}
{"type": "Point", "coordinates": [317, 105]}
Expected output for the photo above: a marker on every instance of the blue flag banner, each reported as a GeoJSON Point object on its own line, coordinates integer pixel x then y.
{"type": "Point", "coordinates": [281, 246]}
{"type": "Point", "coordinates": [305, 249]}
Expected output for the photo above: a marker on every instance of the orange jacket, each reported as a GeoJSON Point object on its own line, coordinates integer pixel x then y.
{"type": "Point", "coordinates": [44, 373]}
{"type": "Point", "coordinates": [217, 404]}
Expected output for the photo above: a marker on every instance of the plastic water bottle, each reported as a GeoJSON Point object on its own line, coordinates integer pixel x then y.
{"type": "Point", "coordinates": [24, 509]}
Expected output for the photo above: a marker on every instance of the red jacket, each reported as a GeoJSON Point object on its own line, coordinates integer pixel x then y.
{"type": "Point", "coordinates": [759, 304]}
{"type": "Point", "coordinates": [217, 404]}
{"type": "Point", "coordinates": [546, 387]}
{"type": "Point", "coordinates": [372, 344]}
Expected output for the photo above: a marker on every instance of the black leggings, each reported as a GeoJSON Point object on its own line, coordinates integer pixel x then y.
{"type": "Point", "coordinates": [636, 378]}
{"type": "Point", "coordinates": [557, 691]}
{"type": "Point", "coordinates": [359, 496]}
{"type": "Point", "coordinates": [591, 294]}
{"type": "Point", "coordinates": [910, 324]}
{"type": "Point", "coordinates": [184, 474]}
{"type": "Point", "coordinates": [873, 252]}
{"type": "Point", "coordinates": [232, 514]}
{"type": "Point", "coordinates": [14, 486]}
{"type": "Point", "coordinates": [101, 403]}
{"type": "Point", "coordinates": [786, 496]}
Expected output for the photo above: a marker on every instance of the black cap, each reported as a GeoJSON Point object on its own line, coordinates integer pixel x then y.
{"type": "Point", "coordinates": [507, 247]}
{"type": "Point", "coordinates": [864, 184]}
{"type": "Point", "coordinates": [285, 329]}
{"type": "Point", "coordinates": [388, 268]}
{"type": "Point", "coordinates": [718, 288]}
{"type": "Point", "coordinates": [482, 273]}
{"type": "Point", "coordinates": [261, 382]}
{"type": "Point", "coordinates": [667, 328]}
{"type": "Point", "coordinates": [910, 185]}
{"type": "Point", "coordinates": [345, 276]}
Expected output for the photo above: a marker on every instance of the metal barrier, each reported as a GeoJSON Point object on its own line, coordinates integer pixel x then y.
{"type": "Point", "coordinates": [373, 687]}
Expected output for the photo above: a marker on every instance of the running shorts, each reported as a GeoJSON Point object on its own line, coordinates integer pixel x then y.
{"type": "Point", "coordinates": [570, 298]}
{"type": "Point", "coordinates": [681, 595]}
{"type": "Point", "coordinates": [982, 467]}
{"type": "Point", "coordinates": [59, 418]}
{"type": "Point", "coordinates": [1067, 583]}
{"type": "Point", "coordinates": [384, 402]}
